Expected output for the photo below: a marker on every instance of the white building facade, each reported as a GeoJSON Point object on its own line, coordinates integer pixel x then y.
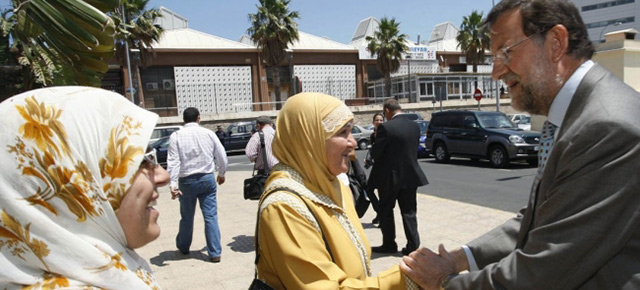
{"type": "Point", "coordinates": [604, 16]}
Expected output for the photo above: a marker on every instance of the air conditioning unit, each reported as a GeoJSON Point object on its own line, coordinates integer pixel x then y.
{"type": "Point", "coordinates": [152, 86]}
{"type": "Point", "coordinates": [167, 84]}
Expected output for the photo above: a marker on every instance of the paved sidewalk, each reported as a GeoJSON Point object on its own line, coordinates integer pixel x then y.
{"type": "Point", "coordinates": [439, 221]}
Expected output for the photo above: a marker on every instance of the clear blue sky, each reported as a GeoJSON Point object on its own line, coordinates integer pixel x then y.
{"type": "Point", "coordinates": [336, 19]}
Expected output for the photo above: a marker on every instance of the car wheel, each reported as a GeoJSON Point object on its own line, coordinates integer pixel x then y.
{"type": "Point", "coordinates": [498, 156]}
{"type": "Point", "coordinates": [440, 152]}
{"type": "Point", "coordinates": [363, 144]}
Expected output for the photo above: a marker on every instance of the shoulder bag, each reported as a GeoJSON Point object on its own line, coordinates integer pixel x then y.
{"type": "Point", "coordinates": [254, 186]}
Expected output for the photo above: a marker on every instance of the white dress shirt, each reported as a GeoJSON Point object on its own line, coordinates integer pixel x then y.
{"type": "Point", "coordinates": [192, 150]}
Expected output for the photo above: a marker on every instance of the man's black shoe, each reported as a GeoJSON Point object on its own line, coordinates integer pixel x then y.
{"type": "Point", "coordinates": [375, 221]}
{"type": "Point", "coordinates": [385, 249]}
{"type": "Point", "coordinates": [406, 252]}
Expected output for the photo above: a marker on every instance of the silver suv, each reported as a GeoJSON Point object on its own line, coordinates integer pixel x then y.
{"type": "Point", "coordinates": [480, 135]}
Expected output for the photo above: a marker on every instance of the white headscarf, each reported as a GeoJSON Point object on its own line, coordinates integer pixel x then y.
{"type": "Point", "coordinates": [67, 157]}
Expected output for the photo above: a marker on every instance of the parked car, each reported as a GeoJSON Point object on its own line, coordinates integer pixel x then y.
{"type": "Point", "coordinates": [524, 123]}
{"type": "Point", "coordinates": [162, 146]}
{"type": "Point", "coordinates": [480, 135]}
{"type": "Point", "coordinates": [422, 149]}
{"type": "Point", "coordinates": [369, 127]}
{"type": "Point", "coordinates": [517, 117]}
{"type": "Point", "coordinates": [162, 131]}
{"type": "Point", "coordinates": [238, 135]}
{"type": "Point", "coordinates": [362, 136]}
{"type": "Point", "coordinates": [410, 116]}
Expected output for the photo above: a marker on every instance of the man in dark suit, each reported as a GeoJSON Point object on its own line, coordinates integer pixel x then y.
{"type": "Point", "coordinates": [397, 175]}
{"type": "Point", "coordinates": [581, 227]}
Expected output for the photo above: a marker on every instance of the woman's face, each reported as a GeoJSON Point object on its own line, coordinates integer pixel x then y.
{"type": "Point", "coordinates": [338, 148]}
{"type": "Point", "coordinates": [138, 218]}
{"type": "Point", "coordinates": [377, 120]}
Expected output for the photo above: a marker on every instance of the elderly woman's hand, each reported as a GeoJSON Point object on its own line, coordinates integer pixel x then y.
{"type": "Point", "coordinates": [427, 268]}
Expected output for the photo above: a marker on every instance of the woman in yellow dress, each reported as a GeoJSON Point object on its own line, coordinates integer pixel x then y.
{"type": "Point", "coordinates": [313, 140]}
{"type": "Point", "coordinates": [76, 190]}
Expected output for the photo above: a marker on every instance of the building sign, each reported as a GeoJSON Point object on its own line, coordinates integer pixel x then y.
{"type": "Point", "coordinates": [420, 52]}
{"type": "Point", "coordinates": [417, 52]}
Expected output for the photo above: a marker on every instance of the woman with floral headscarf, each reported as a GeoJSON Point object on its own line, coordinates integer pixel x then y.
{"type": "Point", "coordinates": [76, 190]}
{"type": "Point", "coordinates": [312, 142]}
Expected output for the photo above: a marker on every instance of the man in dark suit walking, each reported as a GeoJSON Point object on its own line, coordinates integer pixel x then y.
{"type": "Point", "coordinates": [397, 175]}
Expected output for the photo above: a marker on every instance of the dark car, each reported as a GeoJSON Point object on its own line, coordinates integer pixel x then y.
{"type": "Point", "coordinates": [238, 135]}
{"type": "Point", "coordinates": [410, 116]}
{"type": "Point", "coordinates": [422, 149]}
{"type": "Point", "coordinates": [480, 135]}
{"type": "Point", "coordinates": [161, 145]}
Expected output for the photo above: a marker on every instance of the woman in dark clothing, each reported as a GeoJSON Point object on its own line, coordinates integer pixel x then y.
{"type": "Point", "coordinates": [378, 119]}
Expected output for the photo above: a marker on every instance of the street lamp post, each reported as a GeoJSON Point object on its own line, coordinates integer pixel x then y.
{"type": "Point", "coordinates": [605, 28]}
{"type": "Point", "coordinates": [131, 90]}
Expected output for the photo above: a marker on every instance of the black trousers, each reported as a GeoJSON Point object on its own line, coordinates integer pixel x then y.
{"type": "Point", "coordinates": [407, 202]}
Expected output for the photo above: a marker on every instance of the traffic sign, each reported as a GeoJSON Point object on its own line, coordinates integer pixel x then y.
{"type": "Point", "coordinates": [477, 95]}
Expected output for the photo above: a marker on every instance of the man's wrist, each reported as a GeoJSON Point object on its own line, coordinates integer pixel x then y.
{"type": "Point", "coordinates": [445, 281]}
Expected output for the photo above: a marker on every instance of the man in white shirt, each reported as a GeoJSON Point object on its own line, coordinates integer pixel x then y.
{"type": "Point", "coordinates": [194, 152]}
{"type": "Point", "coordinates": [581, 226]}
{"type": "Point", "coordinates": [253, 149]}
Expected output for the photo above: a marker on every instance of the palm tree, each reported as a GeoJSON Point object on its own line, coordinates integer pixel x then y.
{"type": "Point", "coordinates": [135, 30]}
{"type": "Point", "coordinates": [272, 29]}
{"type": "Point", "coordinates": [60, 42]}
{"type": "Point", "coordinates": [138, 30]}
{"type": "Point", "coordinates": [389, 45]}
{"type": "Point", "coordinates": [473, 40]}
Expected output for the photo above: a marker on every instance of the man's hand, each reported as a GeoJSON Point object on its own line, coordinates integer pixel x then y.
{"type": "Point", "coordinates": [220, 180]}
{"type": "Point", "coordinates": [175, 193]}
{"type": "Point", "coordinates": [427, 268]}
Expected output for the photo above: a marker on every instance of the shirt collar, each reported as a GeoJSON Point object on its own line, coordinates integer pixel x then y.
{"type": "Point", "coordinates": [561, 103]}
{"type": "Point", "coordinates": [191, 124]}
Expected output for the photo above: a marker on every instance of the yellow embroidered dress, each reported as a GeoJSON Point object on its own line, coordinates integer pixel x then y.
{"type": "Point", "coordinates": [68, 155]}
{"type": "Point", "coordinates": [292, 251]}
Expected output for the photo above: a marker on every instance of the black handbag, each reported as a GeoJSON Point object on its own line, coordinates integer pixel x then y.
{"type": "Point", "coordinates": [258, 284]}
{"type": "Point", "coordinates": [358, 185]}
{"type": "Point", "coordinates": [254, 186]}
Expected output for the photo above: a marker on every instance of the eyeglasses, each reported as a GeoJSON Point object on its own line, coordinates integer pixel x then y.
{"type": "Point", "coordinates": [502, 55]}
{"type": "Point", "coordinates": [151, 158]}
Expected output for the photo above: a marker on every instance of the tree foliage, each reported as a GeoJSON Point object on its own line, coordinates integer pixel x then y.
{"type": "Point", "coordinates": [473, 39]}
{"type": "Point", "coordinates": [389, 45]}
{"type": "Point", "coordinates": [59, 42]}
{"type": "Point", "coordinates": [272, 29]}
{"type": "Point", "coordinates": [138, 29]}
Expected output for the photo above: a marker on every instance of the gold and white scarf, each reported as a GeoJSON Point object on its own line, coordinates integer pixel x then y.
{"type": "Point", "coordinates": [68, 155]}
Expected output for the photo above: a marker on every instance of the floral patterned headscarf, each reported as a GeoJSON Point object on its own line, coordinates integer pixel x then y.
{"type": "Point", "coordinates": [67, 157]}
{"type": "Point", "coordinates": [303, 125]}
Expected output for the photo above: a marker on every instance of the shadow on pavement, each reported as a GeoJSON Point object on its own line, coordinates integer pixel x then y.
{"type": "Point", "coordinates": [175, 255]}
{"type": "Point", "coordinates": [242, 244]}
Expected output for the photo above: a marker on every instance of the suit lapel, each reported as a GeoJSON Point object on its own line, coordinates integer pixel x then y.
{"type": "Point", "coordinates": [578, 102]}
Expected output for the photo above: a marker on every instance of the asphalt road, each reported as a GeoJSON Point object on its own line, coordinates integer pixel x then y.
{"type": "Point", "coordinates": [461, 180]}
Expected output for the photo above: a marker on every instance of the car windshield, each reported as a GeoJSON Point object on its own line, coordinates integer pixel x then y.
{"type": "Point", "coordinates": [495, 121]}
{"type": "Point", "coordinates": [160, 143]}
